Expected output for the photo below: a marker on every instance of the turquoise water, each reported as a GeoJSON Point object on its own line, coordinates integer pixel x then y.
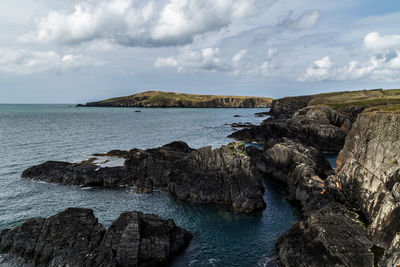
{"type": "Point", "coordinates": [32, 134]}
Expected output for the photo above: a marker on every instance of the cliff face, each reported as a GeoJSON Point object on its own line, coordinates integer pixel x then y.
{"type": "Point", "coordinates": [75, 238]}
{"type": "Point", "coordinates": [157, 99]}
{"type": "Point", "coordinates": [369, 170]}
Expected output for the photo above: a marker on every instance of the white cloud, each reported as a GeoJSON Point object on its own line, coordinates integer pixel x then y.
{"type": "Point", "coordinates": [28, 61]}
{"type": "Point", "coordinates": [318, 71]}
{"type": "Point", "coordinates": [238, 57]}
{"type": "Point", "coordinates": [377, 43]}
{"type": "Point", "coordinates": [207, 59]}
{"type": "Point", "coordinates": [383, 63]}
{"type": "Point", "coordinates": [305, 21]}
{"type": "Point", "coordinates": [129, 23]}
{"type": "Point", "coordinates": [213, 59]}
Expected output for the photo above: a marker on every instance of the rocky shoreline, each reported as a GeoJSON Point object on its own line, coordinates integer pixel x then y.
{"type": "Point", "coordinates": [349, 215]}
{"type": "Point", "coordinates": [75, 238]}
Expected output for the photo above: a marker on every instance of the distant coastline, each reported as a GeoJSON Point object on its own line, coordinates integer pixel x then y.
{"type": "Point", "coordinates": [158, 99]}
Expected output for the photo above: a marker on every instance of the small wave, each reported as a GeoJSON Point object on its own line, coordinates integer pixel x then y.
{"type": "Point", "coordinates": [87, 188]}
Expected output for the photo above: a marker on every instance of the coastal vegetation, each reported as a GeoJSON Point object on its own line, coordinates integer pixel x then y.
{"type": "Point", "coordinates": [171, 99]}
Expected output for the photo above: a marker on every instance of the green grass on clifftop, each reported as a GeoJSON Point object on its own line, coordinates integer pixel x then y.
{"type": "Point", "coordinates": [171, 99]}
{"type": "Point", "coordinates": [365, 98]}
{"type": "Point", "coordinates": [160, 95]}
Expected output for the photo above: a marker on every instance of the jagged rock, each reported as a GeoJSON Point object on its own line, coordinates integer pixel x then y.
{"type": "Point", "coordinates": [75, 238]}
{"type": "Point", "coordinates": [287, 106]}
{"type": "Point", "coordinates": [329, 237]}
{"type": "Point", "coordinates": [369, 172]}
{"type": "Point", "coordinates": [392, 255]}
{"type": "Point", "coordinates": [224, 175]}
{"type": "Point", "coordinates": [320, 127]}
{"type": "Point", "coordinates": [301, 168]}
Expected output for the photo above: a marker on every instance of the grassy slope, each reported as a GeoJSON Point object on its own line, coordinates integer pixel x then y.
{"type": "Point", "coordinates": [156, 96]}
{"type": "Point", "coordinates": [383, 100]}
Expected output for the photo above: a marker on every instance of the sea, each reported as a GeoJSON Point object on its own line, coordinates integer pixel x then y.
{"type": "Point", "coordinates": [32, 134]}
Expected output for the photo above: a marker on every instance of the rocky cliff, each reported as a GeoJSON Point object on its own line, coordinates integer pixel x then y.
{"type": "Point", "coordinates": [369, 172]}
{"type": "Point", "coordinates": [75, 238]}
{"type": "Point", "coordinates": [366, 185]}
{"type": "Point", "coordinates": [158, 99]}
{"type": "Point", "coordinates": [224, 175]}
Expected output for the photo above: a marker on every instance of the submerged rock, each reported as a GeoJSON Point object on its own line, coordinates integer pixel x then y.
{"type": "Point", "coordinates": [225, 175]}
{"type": "Point", "coordinates": [75, 238]}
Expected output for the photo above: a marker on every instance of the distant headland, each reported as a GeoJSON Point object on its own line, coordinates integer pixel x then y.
{"type": "Point", "coordinates": [159, 99]}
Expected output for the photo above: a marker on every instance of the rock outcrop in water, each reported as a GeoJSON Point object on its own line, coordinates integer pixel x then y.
{"type": "Point", "coordinates": [75, 238]}
{"type": "Point", "coordinates": [301, 168]}
{"type": "Point", "coordinates": [158, 99]}
{"type": "Point", "coordinates": [320, 127]}
{"type": "Point", "coordinates": [225, 175]}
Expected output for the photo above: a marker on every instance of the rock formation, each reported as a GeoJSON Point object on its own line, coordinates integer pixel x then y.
{"type": "Point", "coordinates": [75, 238]}
{"type": "Point", "coordinates": [329, 237]}
{"type": "Point", "coordinates": [320, 127]}
{"type": "Point", "coordinates": [301, 168]}
{"type": "Point", "coordinates": [366, 184]}
{"type": "Point", "coordinates": [224, 175]}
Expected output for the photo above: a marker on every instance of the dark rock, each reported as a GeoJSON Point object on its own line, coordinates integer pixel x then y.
{"type": "Point", "coordinates": [75, 238]}
{"type": "Point", "coordinates": [289, 105]}
{"type": "Point", "coordinates": [301, 168]}
{"type": "Point", "coordinates": [224, 175]}
{"type": "Point", "coordinates": [236, 116]}
{"type": "Point", "coordinates": [262, 114]}
{"type": "Point", "coordinates": [320, 127]}
{"type": "Point", "coordinates": [242, 125]}
{"type": "Point", "coordinates": [138, 111]}
{"type": "Point", "coordinates": [329, 237]}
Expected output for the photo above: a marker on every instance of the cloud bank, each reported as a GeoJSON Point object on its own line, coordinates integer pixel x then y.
{"type": "Point", "coordinates": [145, 24]}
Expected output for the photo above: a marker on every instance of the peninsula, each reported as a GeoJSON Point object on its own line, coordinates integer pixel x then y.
{"type": "Point", "coordinates": [159, 99]}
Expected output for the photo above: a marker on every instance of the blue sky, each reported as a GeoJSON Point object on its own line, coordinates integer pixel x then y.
{"type": "Point", "coordinates": [54, 51]}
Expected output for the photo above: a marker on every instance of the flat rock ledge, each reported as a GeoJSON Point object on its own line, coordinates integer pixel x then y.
{"type": "Point", "coordinates": [226, 175]}
{"type": "Point", "coordinates": [75, 238]}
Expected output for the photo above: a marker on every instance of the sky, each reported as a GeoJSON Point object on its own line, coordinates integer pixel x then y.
{"type": "Point", "coordinates": [76, 51]}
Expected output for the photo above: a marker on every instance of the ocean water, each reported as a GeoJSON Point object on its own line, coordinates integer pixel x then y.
{"type": "Point", "coordinates": [32, 134]}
